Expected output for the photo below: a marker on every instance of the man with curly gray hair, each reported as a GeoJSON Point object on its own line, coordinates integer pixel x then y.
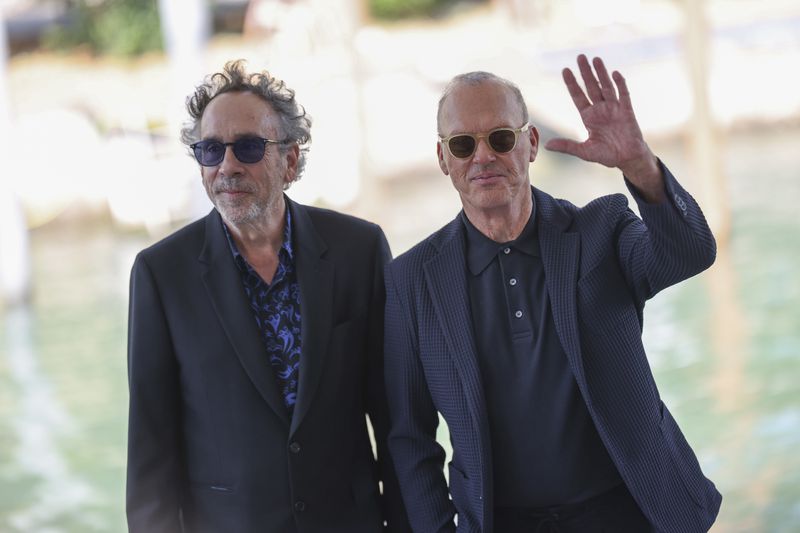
{"type": "Point", "coordinates": [255, 341]}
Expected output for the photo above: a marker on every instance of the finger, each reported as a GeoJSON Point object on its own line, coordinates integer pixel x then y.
{"type": "Point", "coordinates": [606, 86]}
{"type": "Point", "coordinates": [575, 91]}
{"type": "Point", "coordinates": [622, 87]}
{"type": "Point", "coordinates": [592, 87]}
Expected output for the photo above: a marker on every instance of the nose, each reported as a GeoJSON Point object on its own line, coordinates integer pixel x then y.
{"type": "Point", "coordinates": [483, 153]}
{"type": "Point", "coordinates": [229, 164]}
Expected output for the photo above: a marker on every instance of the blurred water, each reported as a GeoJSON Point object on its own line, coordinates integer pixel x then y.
{"type": "Point", "coordinates": [63, 390]}
{"type": "Point", "coordinates": [725, 347]}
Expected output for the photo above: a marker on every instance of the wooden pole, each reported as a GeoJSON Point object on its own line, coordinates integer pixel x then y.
{"type": "Point", "coordinates": [704, 136]}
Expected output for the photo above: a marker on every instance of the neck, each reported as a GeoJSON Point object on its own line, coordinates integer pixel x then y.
{"type": "Point", "coordinates": [257, 237]}
{"type": "Point", "coordinates": [502, 224]}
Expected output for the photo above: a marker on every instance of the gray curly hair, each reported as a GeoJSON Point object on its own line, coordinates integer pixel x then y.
{"type": "Point", "coordinates": [294, 121]}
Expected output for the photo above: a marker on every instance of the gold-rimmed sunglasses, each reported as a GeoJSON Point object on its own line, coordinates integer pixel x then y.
{"type": "Point", "coordinates": [501, 140]}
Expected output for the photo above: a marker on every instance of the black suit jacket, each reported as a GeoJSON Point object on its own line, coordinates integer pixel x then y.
{"type": "Point", "coordinates": [211, 446]}
{"type": "Point", "coordinates": [601, 264]}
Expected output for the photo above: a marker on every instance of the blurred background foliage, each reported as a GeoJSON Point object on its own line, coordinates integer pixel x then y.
{"type": "Point", "coordinates": [402, 9]}
{"type": "Point", "coordinates": [111, 27]}
{"type": "Point", "coordinates": [129, 28]}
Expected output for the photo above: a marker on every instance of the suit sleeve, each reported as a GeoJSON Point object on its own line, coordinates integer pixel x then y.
{"type": "Point", "coordinates": [418, 458]}
{"type": "Point", "coordinates": [670, 243]}
{"type": "Point", "coordinates": [155, 465]}
{"type": "Point", "coordinates": [394, 511]}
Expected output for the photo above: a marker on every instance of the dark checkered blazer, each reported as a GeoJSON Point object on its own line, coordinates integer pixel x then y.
{"type": "Point", "coordinates": [601, 263]}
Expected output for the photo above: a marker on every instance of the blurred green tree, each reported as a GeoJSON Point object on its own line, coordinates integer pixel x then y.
{"type": "Point", "coordinates": [112, 27]}
{"type": "Point", "coordinates": [400, 9]}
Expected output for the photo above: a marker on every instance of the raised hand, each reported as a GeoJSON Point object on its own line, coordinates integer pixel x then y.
{"type": "Point", "coordinates": [615, 139]}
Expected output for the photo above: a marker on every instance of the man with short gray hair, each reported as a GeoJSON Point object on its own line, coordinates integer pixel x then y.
{"type": "Point", "coordinates": [520, 323]}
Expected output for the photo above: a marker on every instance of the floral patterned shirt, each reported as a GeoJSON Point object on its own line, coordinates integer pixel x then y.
{"type": "Point", "coordinates": [276, 309]}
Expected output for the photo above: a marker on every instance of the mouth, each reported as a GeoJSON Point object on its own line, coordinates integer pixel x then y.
{"type": "Point", "coordinates": [231, 192]}
{"type": "Point", "coordinates": [485, 177]}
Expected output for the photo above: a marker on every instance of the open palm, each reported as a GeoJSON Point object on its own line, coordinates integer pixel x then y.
{"type": "Point", "coordinates": [615, 139]}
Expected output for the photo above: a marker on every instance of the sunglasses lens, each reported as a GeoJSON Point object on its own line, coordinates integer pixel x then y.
{"type": "Point", "coordinates": [249, 150]}
{"type": "Point", "coordinates": [461, 146]}
{"type": "Point", "coordinates": [502, 141]}
{"type": "Point", "coordinates": [209, 153]}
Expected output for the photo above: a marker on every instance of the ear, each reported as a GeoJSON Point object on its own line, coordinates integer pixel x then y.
{"type": "Point", "coordinates": [292, 158]}
{"type": "Point", "coordinates": [533, 137]}
{"type": "Point", "coordinates": [440, 156]}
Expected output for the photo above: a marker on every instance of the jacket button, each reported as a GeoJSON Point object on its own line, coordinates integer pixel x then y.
{"type": "Point", "coordinates": [299, 506]}
{"type": "Point", "coordinates": [294, 447]}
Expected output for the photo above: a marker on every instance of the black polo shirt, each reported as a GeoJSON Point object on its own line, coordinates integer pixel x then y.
{"type": "Point", "coordinates": [545, 448]}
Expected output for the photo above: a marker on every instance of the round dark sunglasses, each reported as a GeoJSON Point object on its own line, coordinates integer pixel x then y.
{"type": "Point", "coordinates": [501, 140]}
{"type": "Point", "coordinates": [210, 152]}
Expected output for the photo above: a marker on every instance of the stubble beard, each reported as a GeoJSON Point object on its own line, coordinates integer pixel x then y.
{"type": "Point", "coordinates": [241, 215]}
{"type": "Point", "coordinates": [252, 209]}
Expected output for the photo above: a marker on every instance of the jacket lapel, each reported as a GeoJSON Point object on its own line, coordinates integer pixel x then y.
{"type": "Point", "coordinates": [224, 286]}
{"type": "Point", "coordinates": [446, 281]}
{"type": "Point", "coordinates": [315, 277]}
{"type": "Point", "coordinates": [560, 256]}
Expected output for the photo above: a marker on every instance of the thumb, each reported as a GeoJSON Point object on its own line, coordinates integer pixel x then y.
{"type": "Point", "coordinates": [565, 146]}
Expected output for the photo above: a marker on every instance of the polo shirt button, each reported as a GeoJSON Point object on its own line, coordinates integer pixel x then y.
{"type": "Point", "coordinates": [506, 251]}
{"type": "Point", "coordinates": [294, 447]}
{"type": "Point", "coordinates": [518, 314]}
{"type": "Point", "coordinates": [299, 506]}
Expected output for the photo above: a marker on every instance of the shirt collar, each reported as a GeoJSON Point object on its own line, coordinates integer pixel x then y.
{"type": "Point", "coordinates": [481, 250]}
{"type": "Point", "coordinates": [286, 246]}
